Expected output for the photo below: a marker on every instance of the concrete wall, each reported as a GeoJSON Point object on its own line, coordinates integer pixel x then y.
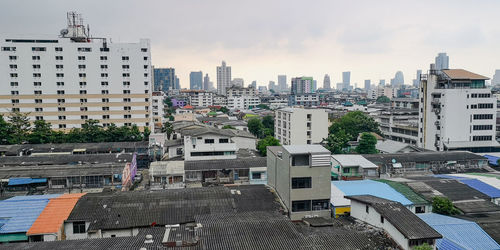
{"type": "Point", "coordinates": [244, 142]}
{"type": "Point", "coordinates": [68, 230]}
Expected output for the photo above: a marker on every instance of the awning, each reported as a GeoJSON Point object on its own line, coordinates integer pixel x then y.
{"type": "Point", "coordinates": [13, 237]}
{"type": "Point", "coordinates": [334, 174]}
{"type": "Point", "coordinates": [26, 181]}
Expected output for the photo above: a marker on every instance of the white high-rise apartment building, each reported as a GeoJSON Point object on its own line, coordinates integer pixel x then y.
{"type": "Point", "coordinates": [282, 85]}
{"type": "Point", "coordinates": [298, 126]}
{"type": "Point", "coordinates": [223, 78]}
{"type": "Point", "coordinates": [457, 112]}
{"type": "Point", "coordinates": [71, 78]}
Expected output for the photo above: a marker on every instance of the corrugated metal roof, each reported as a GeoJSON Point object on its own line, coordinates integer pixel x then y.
{"type": "Point", "coordinates": [369, 187]}
{"type": "Point", "coordinates": [26, 181]}
{"type": "Point", "coordinates": [354, 160]}
{"type": "Point", "coordinates": [492, 181]}
{"type": "Point", "coordinates": [463, 233]}
{"type": "Point", "coordinates": [493, 160]}
{"type": "Point", "coordinates": [22, 211]}
{"type": "Point", "coordinates": [54, 214]}
{"type": "Point", "coordinates": [305, 149]}
{"type": "Point", "coordinates": [482, 187]}
{"type": "Point", "coordinates": [406, 191]}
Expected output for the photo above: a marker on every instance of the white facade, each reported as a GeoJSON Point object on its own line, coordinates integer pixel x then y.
{"type": "Point", "coordinates": [239, 91]}
{"type": "Point", "coordinates": [199, 98]}
{"type": "Point", "coordinates": [209, 147]}
{"type": "Point", "coordinates": [456, 113]}
{"type": "Point", "coordinates": [242, 102]}
{"type": "Point", "coordinates": [157, 110]}
{"type": "Point", "coordinates": [223, 78]}
{"type": "Point", "coordinates": [66, 82]}
{"type": "Point", "coordinates": [278, 102]}
{"type": "Point", "coordinates": [298, 126]}
{"type": "Point", "coordinates": [219, 100]}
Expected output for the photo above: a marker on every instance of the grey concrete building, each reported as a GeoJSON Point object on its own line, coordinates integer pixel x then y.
{"type": "Point", "coordinates": [300, 175]}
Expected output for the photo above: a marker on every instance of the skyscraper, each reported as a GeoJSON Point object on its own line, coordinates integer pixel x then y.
{"type": "Point", "coordinates": [381, 83]}
{"type": "Point", "coordinates": [206, 82]}
{"type": "Point", "coordinates": [302, 85]}
{"type": "Point", "coordinates": [177, 83]}
{"type": "Point", "coordinates": [164, 79]}
{"type": "Point", "coordinates": [496, 78]}
{"type": "Point", "coordinates": [195, 80]}
{"type": "Point", "coordinates": [253, 84]}
{"type": "Point", "coordinates": [282, 86]}
{"type": "Point", "coordinates": [326, 82]}
{"type": "Point", "coordinates": [442, 61]}
{"type": "Point", "coordinates": [346, 80]}
{"type": "Point", "coordinates": [416, 82]}
{"type": "Point", "coordinates": [223, 78]}
{"type": "Point", "coordinates": [367, 84]}
{"type": "Point", "coordinates": [398, 79]}
{"type": "Point", "coordinates": [271, 86]}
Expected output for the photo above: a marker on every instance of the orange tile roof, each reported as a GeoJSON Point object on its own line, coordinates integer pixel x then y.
{"type": "Point", "coordinates": [188, 107]}
{"type": "Point", "coordinates": [54, 214]}
{"type": "Point", "coordinates": [463, 74]}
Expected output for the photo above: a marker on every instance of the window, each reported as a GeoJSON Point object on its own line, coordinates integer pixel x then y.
{"type": "Point", "coordinates": [104, 74]}
{"type": "Point", "coordinates": [59, 66]}
{"type": "Point", "coordinates": [105, 117]}
{"type": "Point", "coordinates": [126, 99]}
{"type": "Point", "coordinates": [84, 49]}
{"type": "Point", "coordinates": [104, 66]}
{"type": "Point", "coordinates": [126, 83]}
{"type": "Point", "coordinates": [146, 83]}
{"type": "Point", "coordinates": [127, 116]}
{"type": "Point", "coordinates": [300, 160]}
{"type": "Point", "coordinates": [483, 116]}
{"type": "Point", "coordinates": [83, 100]}
{"type": "Point", "coordinates": [15, 110]}
{"type": "Point", "coordinates": [104, 83]}
{"type": "Point", "coordinates": [126, 74]}
{"type": "Point", "coordinates": [320, 204]}
{"type": "Point", "coordinates": [144, 49]}
{"type": "Point", "coordinates": [223, 140]}
{"type": "Point", "coordinates": [36, 66]}
{"type": "Point", "coordinates": [125, 58]}
{"type": "Point", "coordinates": [145, 74]}
{"type": "Point", "coordinates": [62, 125]}
{"type": "Point", "coordinates": [256, 175]}
{"type": "Point", "coordinates": [145, 58]}
{"type": "Point", "coordinates": [59, 49]}
{"type": "Point", "coordinates": [105, 92]}
{"type": "Point", "coordinates": [60, 83]}
{"type": "Point", "coordinates": [37, 84]}
{"type": "Point", "coordinates": [145, 66]}
{"type": "Point", "coordinates": [38, 49]}
{"type": "Point", "coordinates": [81, 58]}
{"type": "Point", "coordinates": [12, 57]}
{"type": "Point", "coordinates": [105, 99]}
{"type": "Point", "coordinates": [83, 92]}
{"type": "Point", "coordinates": [38, 101]}
{"type": "Point", "coordinates": [61, 101]}
{"type": "Point", "coordinates": [82, 74]}
{"type": "Point", "coordinates": [13, 75]}
{"type": "Point", "coordinates": [420, 209]}
{"type": "Point", "coordinates": [59, 74]}
{"type": "Point", "coordinates": [15, 100]}
{"type": "Point", "coordinates": [14, 92]}
{"type": "Point", "coordinates": [301, 206]}
{"type": "Point", "coordinates": [82, 109]}
{"type": "Point", "coordinates": [36, 75]}
{"type": "Point", "coordinates": [485, 105]}
{"type": "Point", "coordinates": [83, 84]}
{"type": "Point", "coordinates": [39, 109]}
{"type": "Point", "coordinates": [8, 48]}
{"type": "Point", "coordinates": [209, 141]}
{"type": "Point", "coordinates": [104, 49]}
{"type": "Point", "coordinates": [37, 92]}
{"type": "Point", "coordinates": [125, 66]}
{"type": "Point", "coordinates": [14, 84]}
{"type": "Point", "coordinates": [104, 58]}
{"type": "Point", "coordinates": [301, 182]}
{"type": "Point", "coordinates": [59, 58]}
{"type": "Point", "coordinates": [62, 117]}
{"type": "Point", "coordinates": [482, 138]}
{"type": "Point", "coordinates": [105, 108]}
{"type": "Point", "coordinates": [482, 127]}
{"type": "Point", "coordinates": [127, 108]}
{"type": "Point", "coordinates": [60, 92]}
{"type": "Point", "coordinates": [367, 209]}
{"type": "Point", "coordinates": [381, 219]}
{"type": "Point", "coordinates": [126, 91]}
{"type": "Point", "coordinates": [79, 227]}
{"type": "Point", "coordinates": [61, 109]}
{"type": "Point", "coordinates": [81, 66]}
{"type": "Point", "coordinates": [84, 117]}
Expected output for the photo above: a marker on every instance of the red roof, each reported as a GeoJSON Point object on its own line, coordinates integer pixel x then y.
{"type": "Point", "coordinates": [188, 107]}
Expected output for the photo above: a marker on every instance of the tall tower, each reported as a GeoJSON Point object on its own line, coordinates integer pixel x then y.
{"type": "Point", "coordinates": [346, 80]}
{"type": "Point", "coordinates": [206, 82]}
{"type": "Point", "coordinates": [442, 61]}
{"type": "Point", "coordinates": [223, 78]}
{"type": "Point", "coordinates": [282, 86]}
{"type": "Point", "coordinates": [326, 82]}
{"type": "Point", "coordinates": [367, 84]}
{"type": "Point", "coordinates": [195, 80]}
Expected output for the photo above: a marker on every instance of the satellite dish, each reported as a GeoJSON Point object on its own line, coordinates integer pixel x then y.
{"type": "Point", "coordinates": [64, 32]}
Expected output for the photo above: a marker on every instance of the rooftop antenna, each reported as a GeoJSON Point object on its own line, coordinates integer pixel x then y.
{"type": "Point", "coordinates": [76, 29]}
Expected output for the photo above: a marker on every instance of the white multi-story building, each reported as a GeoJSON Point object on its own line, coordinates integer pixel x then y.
{"type": "Point", "coordinates": [457, 112]}
{"type": "Point", "coordinates": [240, 91]}
{"type": "Point", "coordinates": [242, 102]}
{"type": "Point", "coordinates": [199, 98]}
{"type": "Point", "coordinates": [278, 102]}
{"type": "Point", "coordinates": [379, 91]}
{"type": "Point", "coordinates": [220, 100]}
{"type": "Point", "coordinates": [223, 78]}
{"type": "Point", "coordinates": [239, 82]}
{"type": "Point", "coordinates": [71, 78]}
{"type": "Point", "coordinates": [296, 126]}
{"type": "Point", "coordinates": [157, 111]}
{"type": "Point", "coordinates": [307, 100]}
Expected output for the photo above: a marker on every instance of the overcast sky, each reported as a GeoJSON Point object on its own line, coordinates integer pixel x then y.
{"type": "Point", "coordinates": [263, 38]}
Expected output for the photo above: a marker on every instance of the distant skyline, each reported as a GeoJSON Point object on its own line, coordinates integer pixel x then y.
{"type": "Point", "coordinates": [371, 39]}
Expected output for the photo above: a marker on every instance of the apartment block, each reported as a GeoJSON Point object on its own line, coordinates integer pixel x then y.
{"type": "Point", "coordinates": [300, 174]}
{"type": "Point", "coordinates": [242, 102]}
{"type": "Point", "coordinates": [457, 112]}
{"type": "Point", "coordinates": [71, 78]}
{"type": "Point", "coordinates": [296, 126]}
{"type": "Point", "coordinates": [198, 98]}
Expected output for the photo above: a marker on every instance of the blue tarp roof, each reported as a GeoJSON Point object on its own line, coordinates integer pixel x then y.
{"type": "Point", "coordinates": [493, 160]}
{"type": "Point", "coordinates": [20, 212]}
{"type": "Point", "coordinates": [476, 184]}
{"type": "Point", "coordinates": [458, 233]}
{"type": "Point", "coordinates": [369, 187]}
{"type": "Point", "coordinates": [482, 187]}
{"type": "Point", "coordinates": [25, 181]}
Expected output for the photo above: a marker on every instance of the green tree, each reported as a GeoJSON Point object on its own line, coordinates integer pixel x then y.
{"type": "Point", "coordinates": [383, 99]}
{"type": "Point", "coordinates": [146, 133]}
{"type": "Point", "coordinates": [367, 144]}
{"type": "Point", "coordinates": [168, 129]}
{"type": "Point", "coordinates": [354, 123]}
{"type": "Point", "coordinates": [224, 110]}
{"type": "Point", "coordinates": [41, 133]}
{"type": "Point", "coordinates": [443, 205]}
{"type": "Point", "coordinates": [268, 121]}
{"type": "Point", "coordinates": [263, 106]}
{"type": "Point", "coordinates": [5, 131]}
{"type": "Point", "coordinates": [93, 132]}
{"type": "Point", "coordinates": [20, 126]}
{"type": "Point", "coordinates": [255, 127]}
{"type": "Point", "coordinates": [424, 246]}
{"type": "Point", "coordinates": [337, 142]}
{"type": "Point", "coordinates": [228, 127]}
{"type": "Point", "coordinates": [168, 102]}
{"type": "Point", "coordinates": [268, 141]}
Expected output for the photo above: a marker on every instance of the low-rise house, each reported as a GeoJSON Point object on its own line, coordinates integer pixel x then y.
{"type": "Point", "coordinates": [407, 229]}
{"type": "Point", "coordinates": [353, 167]}
{"type": "Point", "coordinates": [426, 163]}
{"type": "Point", "coordinates": [258, 175]}
{"type": "Point", "coordinates": [167, 174]}
{"type": "Point", "coordinates": [458, 233]}
{"type": "Point", "coordinates": [300, 174]}
{"type": "Point", "coordinates": [395, 147]}
{"type": "Point", "coordinates": [49, 224]}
